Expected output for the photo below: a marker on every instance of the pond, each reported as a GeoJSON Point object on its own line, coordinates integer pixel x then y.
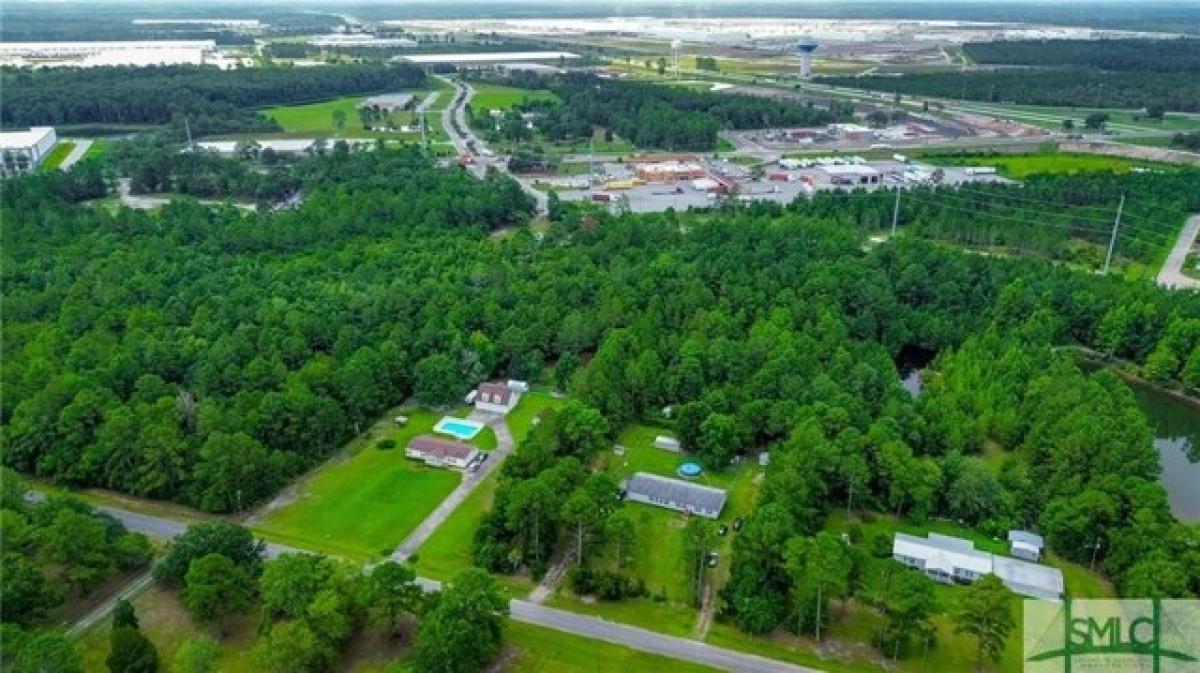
{"type": "Point", "coordinates": [1176, 426]}
{"type": "Point", "coordinates": [910, 362]}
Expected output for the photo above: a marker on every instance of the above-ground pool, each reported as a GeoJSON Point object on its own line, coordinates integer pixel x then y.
{"type": "Point", "coordinates": [460, 428]}
{"type": "Point", "coordinates": [689, 470]}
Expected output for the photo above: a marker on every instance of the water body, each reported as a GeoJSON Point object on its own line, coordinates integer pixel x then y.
{"type": "Point", "coordinates": [910, 362]}
{"type": "Point", "coordinates": [1176, 426]}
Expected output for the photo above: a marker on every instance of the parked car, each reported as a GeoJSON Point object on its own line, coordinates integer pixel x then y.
{"type": "Point", "coordinates": [737, 524]}
{"type": "Point", "coordinates": [722, 530]}
{"type": "Point", "coordinates": [712, 559]}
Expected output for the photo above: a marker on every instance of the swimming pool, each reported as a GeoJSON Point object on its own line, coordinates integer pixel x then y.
{"type": "Point", "coordinates": [460, 428]}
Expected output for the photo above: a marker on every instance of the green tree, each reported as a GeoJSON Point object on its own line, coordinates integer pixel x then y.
{"type": "Point", "coordinates": [394, 591]}
{"type": "Point", "coordinates": [909, 606]}
{"type": "Point", "coordinates": [47, 652]}
{"type": "Point", "coordinates": [819, 568]}
{"type": "Point", "coordinates": [196, 655]}
{"type": "Point", "coordinates": [28, 598]}
{"type": "Point", "coordinates": [215, 588]}
{"type": "Point", "coordinates": [124, 616]}
{"type": "Point", "coordinates": [985, 613]}
{"type": "Point", "coordinates": [620, 532]}
{"type": "Point", "coordinates": [719, 441]}
{"type": "Point", "coordinates": [462, 632]}
{"type": "Point", "coordinates": [436, 380]}
{"type": "Point", "coordinates": [699, 538]}
{"type": "Point", "coordinates": [131, 652]}
{"type": "Point", "coordinates": [230, 540]}
{"type": "Point", "coordinates": [292, 647]}
{"type": "Point", "coordinates": [582, 514]}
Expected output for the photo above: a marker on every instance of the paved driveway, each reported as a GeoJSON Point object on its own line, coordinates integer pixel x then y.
{"type": "Point", "coordinates": [1172, 271]}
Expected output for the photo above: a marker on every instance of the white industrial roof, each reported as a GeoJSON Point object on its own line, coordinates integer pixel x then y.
{"type": "Point", "coordinates": [15, 140]}
{"type": "Point", "coordinates": [849, 169]}
{"type": "Point", "coordinates": [498, 56]}
{"type": "Point", "coordinates": [280, 145]}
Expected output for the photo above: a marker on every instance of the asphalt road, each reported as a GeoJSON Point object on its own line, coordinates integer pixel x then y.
{"type": "Point", "coordinates": [1171, 274]}
{"type": "Point", "coordinates": [520, 610]}
{"type": "Point", "coordinates": [457, 112]}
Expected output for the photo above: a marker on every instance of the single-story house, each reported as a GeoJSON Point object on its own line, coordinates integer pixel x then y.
{"type": "Point", "coordinates": [496, 397]}
{"type": "Point", "coordinates": [441, 452]}
{"type": "Point", "coordinates": [667, 444]}
{"type": "Point", "coordinates": [943, 558]}
{"type": "Point", "coordinates": [950, 559]}
{"type": "Point", "coordinates": [388, 102]}
{"type": "Point", "coordinates": [676, 494]}
{"type": "Point", "coordinates": [1026, 545]}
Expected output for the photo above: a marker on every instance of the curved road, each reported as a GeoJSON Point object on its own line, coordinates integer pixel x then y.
{"type": "Point", "coordinates": [1171, 274]}
{"type": "Point", "coordinates": [454, 117]}
{"type": "Point", "coordinates": [520, 610]}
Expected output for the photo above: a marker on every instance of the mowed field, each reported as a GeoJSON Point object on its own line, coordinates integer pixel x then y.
{"type": "Point", "coordinates": [363, 505]}
{"type": "Point", "coordinates": [1019, 166]}
{"type": "Point", "coordinates": [496, 97]}
{"type": "Point", "coordinates": [57, 155]}
{"type": "Point", "coordinates": [316, 119]}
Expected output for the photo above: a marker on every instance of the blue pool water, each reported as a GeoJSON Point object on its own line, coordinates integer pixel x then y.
{"type": "Point", "coordinates": [689, 470]}
{"type": "Point", "coordinates": [457, 427]}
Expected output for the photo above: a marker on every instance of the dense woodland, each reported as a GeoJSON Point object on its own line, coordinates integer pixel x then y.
{"type": "Point", "coordinates": [208, 355]}
{"type": "Point", "coordinates": [1133, 55]}
{"type": "Point", "coordinates": [653, 115]}
{"type": "Point", "coordinates": [1065, 87]}
{"type": "Point", "coordinates": [1139, 74]}
{"type": "Point", "coordinates": [212, 101]}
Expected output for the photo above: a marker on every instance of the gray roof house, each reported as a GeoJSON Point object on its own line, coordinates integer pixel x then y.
{"type": "Point", "coordinates": [676, 494]}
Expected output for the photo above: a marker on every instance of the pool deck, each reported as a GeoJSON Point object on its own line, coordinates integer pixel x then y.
{"type": "Point", "coordinates": [444, 426]}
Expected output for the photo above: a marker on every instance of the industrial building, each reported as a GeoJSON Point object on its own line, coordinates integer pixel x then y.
{"type": "Point", "coordinates": [669, 171]}
{"type": "Point", "coordinates": [132, 52]}
{"type": "Point", "coordinates": [851, 175]}
{"type": "Point", "coordinates": [676, 494]}
{"type": "Point", "coordinates": [948, 559]}
{"type": "Point", "coordinates": [388, 102]}
{"type": "Point", "coordinates": [335, 40]}
{"type": "Point", "coordinates": [22, 151]}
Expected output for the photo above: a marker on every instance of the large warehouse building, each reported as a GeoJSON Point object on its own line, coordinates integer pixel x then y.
{"type": "Point", "coordinates": [22, 151]}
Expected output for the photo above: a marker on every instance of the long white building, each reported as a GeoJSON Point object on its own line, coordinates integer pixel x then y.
{"type": "Point", "coordinates": [948, 559]}
{"type": "Point", "coordinates": [22, 151]}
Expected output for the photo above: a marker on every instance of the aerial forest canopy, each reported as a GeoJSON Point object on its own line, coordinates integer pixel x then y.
{"type": "Point", "coordinates": [195, 353]}
{"type": "Point", "coordinates": [1138, 74]}
{"type": "Point", "coordinates": [657, 116]}
{"type": "Point", "coordinates": [212, 100]}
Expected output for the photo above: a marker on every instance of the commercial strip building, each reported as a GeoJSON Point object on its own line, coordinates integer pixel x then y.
{"type": "Point", "coordinates": [22, 151]}
{"type": "Point", "coordinates": [676, 494]}
{"type": "Point", "coordinates": [388, 102]}
{"type": "Point", "coordinates": [442, 452]}
{"type": "Point", "coordinates": [947, 559]}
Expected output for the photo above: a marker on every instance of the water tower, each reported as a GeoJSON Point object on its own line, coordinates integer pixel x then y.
{"type": "Point", "coordinates": [676, 47]}
{"type": "Point", "coordinates": [806, 47]}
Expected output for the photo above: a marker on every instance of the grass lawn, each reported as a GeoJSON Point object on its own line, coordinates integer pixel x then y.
{"type": "Point", "coordinates": [316, 119]}
{"type": "Point", "coordinates": [494, 96]}
{"type": "Point", "coordinates": [657, 555]}
{"type": "Point", "coordinates": [1020, 166]}
{"type": "Point", "coordinates": [98, 149]}
{"type": "Point", "coordinates": [56, 156]}
{"type": "Point", "coordinates": [448, 550]}
{"type": "Point", "coordinates": [364, 504]}
{"type": "Point", "coordinates": [538, 650]}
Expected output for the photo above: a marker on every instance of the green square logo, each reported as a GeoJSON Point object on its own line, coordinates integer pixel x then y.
{"type": "Point", "coordinates": [1113, 636]}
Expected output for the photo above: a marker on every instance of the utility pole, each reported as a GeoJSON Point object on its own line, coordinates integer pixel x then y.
{"type": "Point", "coordinates": [188, 127]}
{"type": "Point", "coordinates": [1112, 241]}
{"type": "Point", "coordinates": [896, 212]}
